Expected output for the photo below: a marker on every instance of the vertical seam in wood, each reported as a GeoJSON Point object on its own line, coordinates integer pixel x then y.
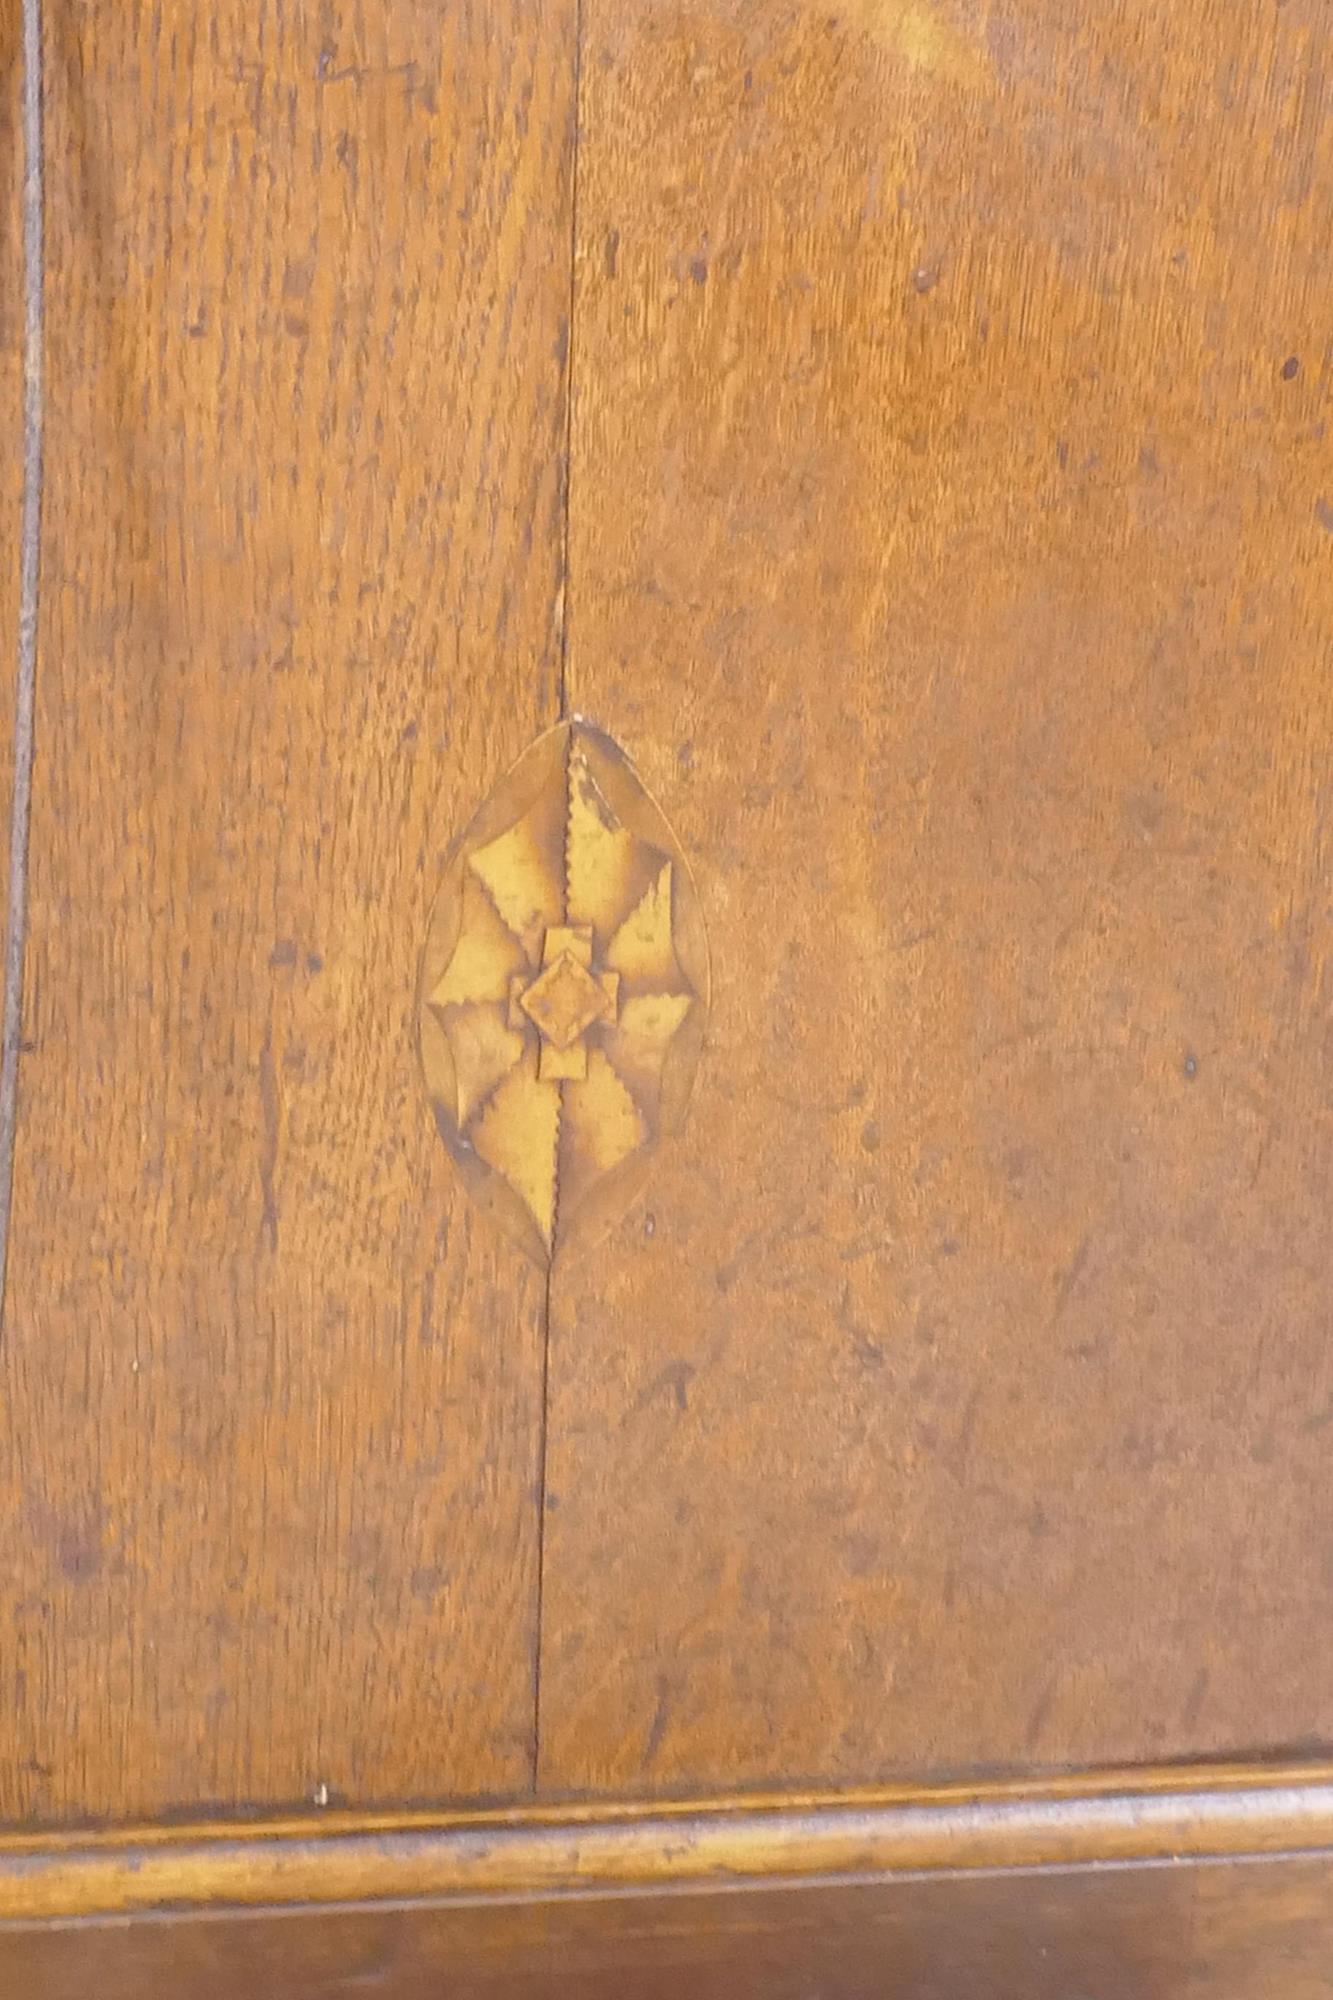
{"type": "Point", "coordinates": [569, 359]}
{"type": "Point", "coordinates": [541, 1540]}
{"type": "Point", "coordinates": [30, 534]}
{"type": "Point", "coordinates": [539, 1626]}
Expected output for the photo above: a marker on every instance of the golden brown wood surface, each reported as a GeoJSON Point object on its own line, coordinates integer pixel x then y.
{"type": "Point", "coordinates": [950, 547]}
{"type": "Point", "coordinates": [1130, 1933]}
{"type": "Point", "coordinates": [271, 1409]}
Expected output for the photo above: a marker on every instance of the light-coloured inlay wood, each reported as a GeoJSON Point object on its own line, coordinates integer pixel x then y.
{"type": "Point", "coordinates": [563, 991]}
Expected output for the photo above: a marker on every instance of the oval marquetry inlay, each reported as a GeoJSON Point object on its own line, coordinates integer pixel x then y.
{"type": "Point", "coordinates": [563, 992]}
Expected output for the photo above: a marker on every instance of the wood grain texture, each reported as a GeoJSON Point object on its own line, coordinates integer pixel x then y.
{"type": "Point", "coordinates": [950, 547]}
{"type": "Point", "coordinates": [272, 1404]}
{"type": "Point", "coordinates": [1116, 1934]}
{"type": "Point", "coordinates": [784, 1944]}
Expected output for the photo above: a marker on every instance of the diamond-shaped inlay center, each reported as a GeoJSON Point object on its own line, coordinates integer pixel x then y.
{"type": "Point", "coordinates": [563, 1000]}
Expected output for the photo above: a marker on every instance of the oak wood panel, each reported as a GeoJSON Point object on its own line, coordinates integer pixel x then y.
{"type": "Point", "coordinates": [950, 547]}
{"type": "Point", "coordinates": [271, 1403]}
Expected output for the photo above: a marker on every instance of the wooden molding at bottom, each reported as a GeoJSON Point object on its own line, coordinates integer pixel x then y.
{"type": "Point", "coordinates": [538, 1853]}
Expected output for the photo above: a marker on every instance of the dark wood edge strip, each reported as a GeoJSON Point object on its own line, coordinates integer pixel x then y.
{"type": "Point", "coordinates": [538, 1852]}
